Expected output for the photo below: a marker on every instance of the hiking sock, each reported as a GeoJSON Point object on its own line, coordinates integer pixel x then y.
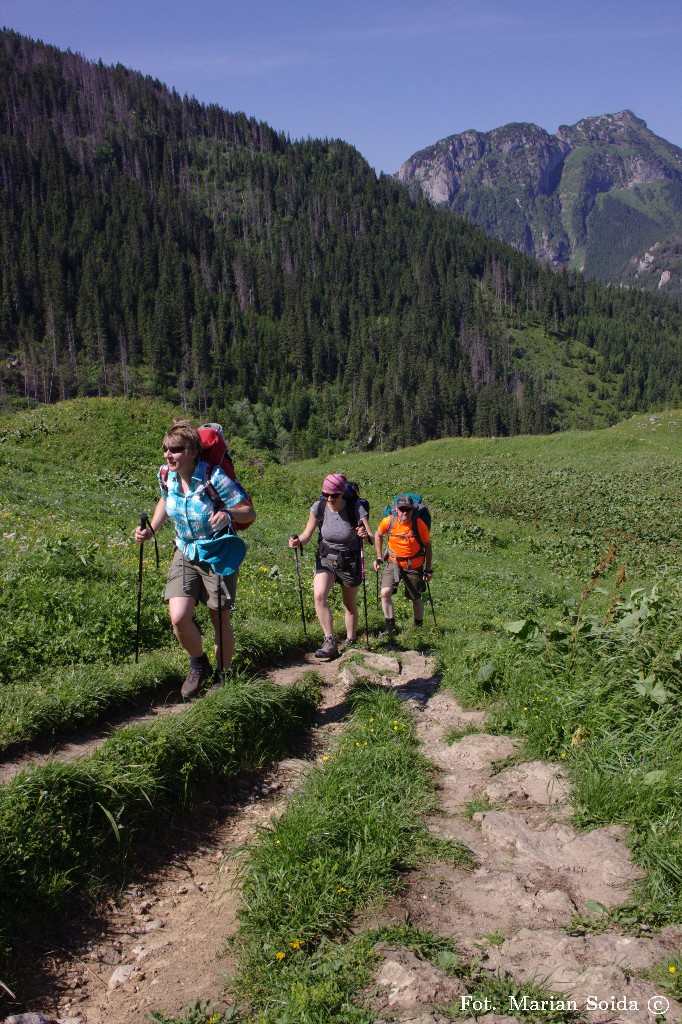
{"type": "Point", "coordinates": [198, 662]}
{"type": "Point", "coordinates": [418, 622]}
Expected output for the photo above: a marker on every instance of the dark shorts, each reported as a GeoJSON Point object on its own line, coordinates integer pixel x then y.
{"type": "Point", "coordinates": [345, 568]}
{"type": "Point", "coordinates": [412, 578]}
{"type": "Point", "coordinates": [200, 582]}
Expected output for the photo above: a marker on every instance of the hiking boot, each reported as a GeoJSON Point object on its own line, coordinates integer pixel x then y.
{"type": "Point", "coordinates": [196, 679]}
{"type": "Point", "coordinates": [329, 649]}
{"type": "Point", "coordinates": [350, 641]}
{"type": "Point", "coordinates": [388, 630]}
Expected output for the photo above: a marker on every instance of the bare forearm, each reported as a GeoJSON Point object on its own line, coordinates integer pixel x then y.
{"type": "Point", "coordinates": [244, 512]}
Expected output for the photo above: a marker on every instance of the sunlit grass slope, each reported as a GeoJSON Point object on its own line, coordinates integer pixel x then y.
{"type": "Point", "coordinates": [539, 544]}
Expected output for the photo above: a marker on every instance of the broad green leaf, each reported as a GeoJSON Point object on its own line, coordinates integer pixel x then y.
{"type": "Point", "coordinates": [486, 672]}
{"type": "Point", "coordinates": [632, 620]}
{"type": "Point", "coordinates": [516, 627]}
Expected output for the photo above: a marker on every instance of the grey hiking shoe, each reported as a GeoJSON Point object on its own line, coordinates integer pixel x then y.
{"type": "Point", "coordinates": [329, 649]}
{"type": "Point", "coordinates": [388, 630]}
{"type": "Point", "coordinates": [196, 680]}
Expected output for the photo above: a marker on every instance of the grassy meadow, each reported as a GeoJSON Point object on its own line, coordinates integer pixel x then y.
{"type": "Point", "coordinates": [557, 596]}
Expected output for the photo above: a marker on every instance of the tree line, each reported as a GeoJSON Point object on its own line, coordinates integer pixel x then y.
{"type": "Point", "coordinates": [152, 245]}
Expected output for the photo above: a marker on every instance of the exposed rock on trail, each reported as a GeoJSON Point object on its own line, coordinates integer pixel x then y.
{"type": "Point", "coordinates": [534, 873]}
{"type": "Point", "coordinates": [162, 944]}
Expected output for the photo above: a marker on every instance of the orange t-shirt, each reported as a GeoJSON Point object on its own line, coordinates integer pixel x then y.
{"type": "Point", "coordinates": [401, 543]}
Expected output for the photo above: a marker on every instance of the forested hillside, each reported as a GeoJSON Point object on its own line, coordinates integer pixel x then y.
{"type": "Point", "coordinates": [155, 246]}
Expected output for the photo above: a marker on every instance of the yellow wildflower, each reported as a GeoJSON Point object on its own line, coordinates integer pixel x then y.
{"type": "Point", "coordinates": [579, 736]}
{"type": "Point", "coordinates": [280, 956]}
{"type": "Point", "coordinates": [295, 944]}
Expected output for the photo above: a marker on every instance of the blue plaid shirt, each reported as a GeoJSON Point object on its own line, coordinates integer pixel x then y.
{"type": "Point", "coordinates": [190, 512]}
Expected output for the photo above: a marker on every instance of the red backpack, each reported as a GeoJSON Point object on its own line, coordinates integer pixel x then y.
{"type": "Point", "coordinates": [214, 451]}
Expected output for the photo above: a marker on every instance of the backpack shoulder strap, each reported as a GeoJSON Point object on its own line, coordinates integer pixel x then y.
{"type": "Point", "coordinates": [416, 520]}
{"type": "Point", "coordinates": [389, 531]}
{"type": "Point", "coordinates": [216, 500]}
{"type": "Point", "coordinates": [321, 509]}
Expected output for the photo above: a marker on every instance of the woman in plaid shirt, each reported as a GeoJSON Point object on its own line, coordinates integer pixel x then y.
{"type": "Point", "coordinates": [204, 547]}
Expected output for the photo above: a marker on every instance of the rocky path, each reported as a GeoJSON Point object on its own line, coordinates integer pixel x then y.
{"type": "Point", "coordinates": [534, 873]}
{"type": "Point", "coordinates": [162, 944]}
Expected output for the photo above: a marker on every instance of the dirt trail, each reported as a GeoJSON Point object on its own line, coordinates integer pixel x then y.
{"type": "Point", "coordinates": [19, 756]}
{"type": "Point", "coordinates": [161, 945]}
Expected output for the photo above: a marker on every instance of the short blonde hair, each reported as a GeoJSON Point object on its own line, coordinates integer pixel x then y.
{"type": "Point", "coordinates": [181, 432]}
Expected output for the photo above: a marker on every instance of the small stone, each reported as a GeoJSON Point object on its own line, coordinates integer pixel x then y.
{"type": "Point", "coordinates": [120, 976]}
{"type": "Point", "coordinates": [28, 1018]}
{"type": "Point", "coordinates": [152, 926]}
{"type": "Point", "coordinates": [189, 887]}
{"type": "Point", "coordinates": [106, 955]}
{"type": "Point", "coordinates": [142, 952]}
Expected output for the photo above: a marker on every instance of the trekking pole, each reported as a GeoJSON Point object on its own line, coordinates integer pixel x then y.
{"type": "Point", "coordinates": [143, 526]}
{"type": "Point", "coordinates": [221, 661]}
{"type": "Point", "coordinates": [294, 536]}
{"type": "Point", "coordinates": [428, 588]}
{"type": "Point", "coordinates": [364, 587]}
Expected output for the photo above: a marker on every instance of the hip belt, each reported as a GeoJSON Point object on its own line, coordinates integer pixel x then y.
{"type": "Point", "coordinates": [413, 562]}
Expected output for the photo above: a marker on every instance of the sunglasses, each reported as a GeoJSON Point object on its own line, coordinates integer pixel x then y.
{"type": "Point", "coordinates": [328, 496]}
{"type": "Point", "coordinates": [174, 449]}
{"type": "Point", "coordinates": [402, 508]}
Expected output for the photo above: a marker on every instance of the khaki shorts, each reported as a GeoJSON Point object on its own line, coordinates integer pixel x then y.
{"type": "Point", "coordinates": [200, 582]}
{"type": "Point", "coordinates": [412, 578]}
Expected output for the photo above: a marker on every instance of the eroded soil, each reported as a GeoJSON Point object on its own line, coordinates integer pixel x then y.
{"type": "Point", "coordinates": [162, 944]}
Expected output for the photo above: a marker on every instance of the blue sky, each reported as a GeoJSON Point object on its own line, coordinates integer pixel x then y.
{"type": "Point", "coordinates": [388, 76]}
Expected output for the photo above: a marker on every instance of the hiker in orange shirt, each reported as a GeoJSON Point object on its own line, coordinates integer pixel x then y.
{"type": "Point", "coordinates": [408, 558]}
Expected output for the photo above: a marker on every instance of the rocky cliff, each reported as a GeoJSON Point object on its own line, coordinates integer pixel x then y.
{"type": "Point", "coordinates": [603, 195]}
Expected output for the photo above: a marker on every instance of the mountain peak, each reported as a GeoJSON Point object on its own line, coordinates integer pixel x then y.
{"type": "Point", "coordinates": [595, 196]}
{"type": "Point", "coordinates": [604, 128]}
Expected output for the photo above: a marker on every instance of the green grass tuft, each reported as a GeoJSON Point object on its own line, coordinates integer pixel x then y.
{"type": "Point", "coordinates": [68, 826]}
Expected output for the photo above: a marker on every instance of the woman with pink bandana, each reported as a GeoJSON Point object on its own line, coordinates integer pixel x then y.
{"type": "Point", "coordinates": [342, 523]}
